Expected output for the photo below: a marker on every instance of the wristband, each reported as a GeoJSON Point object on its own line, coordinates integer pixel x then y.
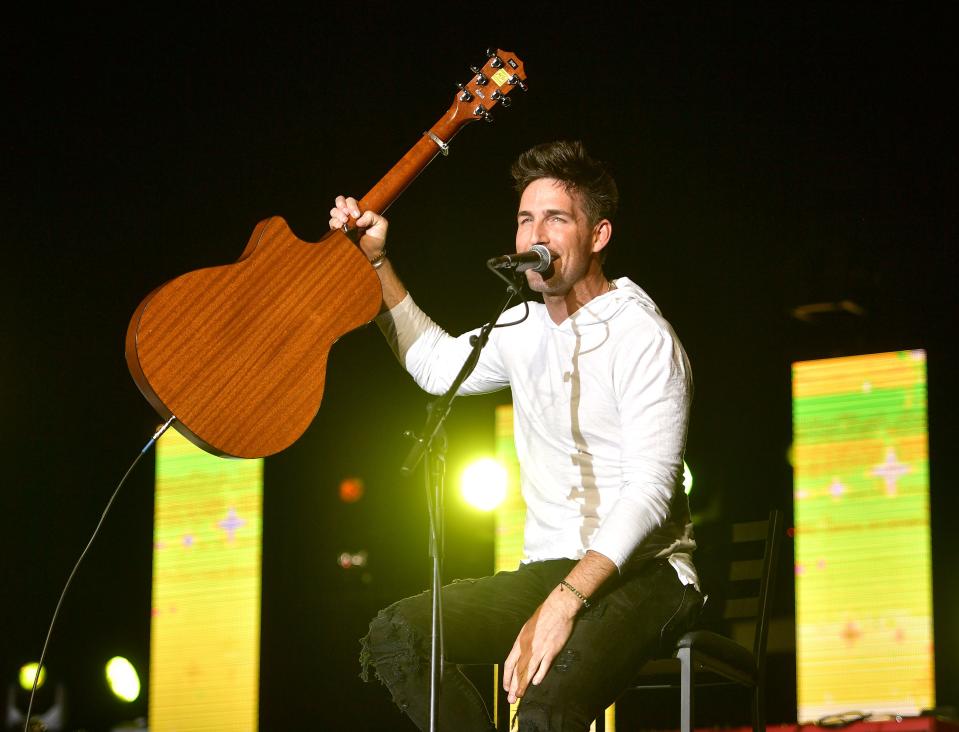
{"type": "Point", "coordinates": [378, 260]}
{"type": "Point", "coordinates": [582, 598]}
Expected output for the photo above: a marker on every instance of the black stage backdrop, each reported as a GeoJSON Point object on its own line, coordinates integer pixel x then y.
{"type": "Point", "coordinates": [767, 158]}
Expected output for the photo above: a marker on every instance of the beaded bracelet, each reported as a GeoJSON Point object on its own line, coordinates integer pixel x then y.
{"type": "Point", "coordinates": [378, 260]}
{"type": "Point", "coordinates": [582, 598]}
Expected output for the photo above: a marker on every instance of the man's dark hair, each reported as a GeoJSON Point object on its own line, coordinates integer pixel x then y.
{"type": "Point", "coordinates": [571, 165]}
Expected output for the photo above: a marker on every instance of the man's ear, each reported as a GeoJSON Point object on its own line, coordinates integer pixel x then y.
{"type": "Point", "coordinates": [602, 233]}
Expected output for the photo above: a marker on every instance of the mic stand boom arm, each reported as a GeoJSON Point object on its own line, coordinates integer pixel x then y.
{"type": "Point", "coordinates": [428, 445]}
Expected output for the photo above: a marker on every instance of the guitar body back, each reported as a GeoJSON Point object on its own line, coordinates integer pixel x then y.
{"type": "Point", "coordinates": [238, 353]}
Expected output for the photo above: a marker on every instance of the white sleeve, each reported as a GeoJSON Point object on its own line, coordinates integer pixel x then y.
{"type": "Point", "coordinates": [433, 357]}
{"type": "Point", "coordinates": [654, 392]}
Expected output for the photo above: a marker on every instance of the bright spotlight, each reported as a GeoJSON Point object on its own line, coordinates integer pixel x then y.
{"type": "Point", "coordinates": [28, 672]}
{"type": "Point", "coordinates": [687, 478]}
{"type": "Point", "coordinates": [484, 484]}
{"type": "Point", "coordinates": [123, 679]}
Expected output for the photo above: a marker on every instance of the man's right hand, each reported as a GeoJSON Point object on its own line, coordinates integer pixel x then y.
{"type": "Point", "coordinates": [372, 229]}
{"type": "Point", "coordinates": [372, 226]}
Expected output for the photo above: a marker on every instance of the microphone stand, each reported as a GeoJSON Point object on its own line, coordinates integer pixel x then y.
{"type": "Point", "coordinates": [431, 444]}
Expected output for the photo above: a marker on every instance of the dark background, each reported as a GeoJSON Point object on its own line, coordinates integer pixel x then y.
{"type": "Point", "coordinates": [767, 158]}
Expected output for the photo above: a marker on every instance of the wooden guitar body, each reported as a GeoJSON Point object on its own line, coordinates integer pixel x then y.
{"type": "Point", "coordinates": [237, 353]}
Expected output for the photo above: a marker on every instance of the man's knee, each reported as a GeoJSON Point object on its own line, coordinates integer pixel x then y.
{"type": "Point", "coordinates": [398, 653]}
{"type": "Point", "coordinates": [392, 646]}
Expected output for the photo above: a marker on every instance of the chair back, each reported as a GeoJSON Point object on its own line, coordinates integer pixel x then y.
{"type": "Point", "coordinates": [757, 573]}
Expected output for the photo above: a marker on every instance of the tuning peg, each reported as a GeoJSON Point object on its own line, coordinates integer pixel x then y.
{"type": "Point", "coordinates": [516, 81]}
{"type": "Point", "coordinates": [465, 95]}
{"type": "Point", "coordinates": [501, 98]}
{"type": "Point", "coordinates": [480, 77]}
{"type": "Point", "coordinates": [483, 113]}
{"type": "Point", "coordinates": [496, 62]}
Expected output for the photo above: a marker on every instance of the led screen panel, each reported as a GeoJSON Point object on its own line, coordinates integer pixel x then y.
{"type": "Point", "coordinates": [863, 572]}
{"type": "Point", "coordinates": [510, 515]}
{"type": "Point", "coordinates": [205, 630]}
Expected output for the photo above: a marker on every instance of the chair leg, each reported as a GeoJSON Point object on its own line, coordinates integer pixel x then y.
{"type": "Point", "coordinates": [685, 656]}
{"type": "Point", "coordinates": [759, 708]}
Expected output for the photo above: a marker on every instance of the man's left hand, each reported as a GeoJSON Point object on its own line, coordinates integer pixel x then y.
{"type": "Point", "coordinates": [546, 632]}
{"type": "Point", "coordinates": [538, 643]}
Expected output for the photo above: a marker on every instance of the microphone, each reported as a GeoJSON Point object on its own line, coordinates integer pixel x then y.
{"type": "Point", "coordinates": [538, 259]}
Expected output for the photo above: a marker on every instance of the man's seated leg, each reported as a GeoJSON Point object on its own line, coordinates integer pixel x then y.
{"type": "Point", "coordinates": [481, 619]}
{"type": "Point", "coordinates": [628, 622]}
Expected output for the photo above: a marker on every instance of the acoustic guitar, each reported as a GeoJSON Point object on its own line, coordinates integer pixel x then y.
{"type": "Point", "coordinates": [237, 353]}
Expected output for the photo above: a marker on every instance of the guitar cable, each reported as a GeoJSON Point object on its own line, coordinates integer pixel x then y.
{"type": "Point", "coordinates": [36, 677]}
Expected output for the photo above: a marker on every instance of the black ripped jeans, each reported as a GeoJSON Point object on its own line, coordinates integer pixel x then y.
{"type": "Point", "coordinates": [634, 617]}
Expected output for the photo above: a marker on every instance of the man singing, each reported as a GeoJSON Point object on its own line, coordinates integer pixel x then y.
{"type": "Point", "coordinates": [601, 392]}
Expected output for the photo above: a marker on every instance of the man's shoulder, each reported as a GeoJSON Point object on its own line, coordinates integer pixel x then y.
{"type": "Point", "coordinates": [642, 329]}
{"type": "Point", "coordinates": [638, 311]}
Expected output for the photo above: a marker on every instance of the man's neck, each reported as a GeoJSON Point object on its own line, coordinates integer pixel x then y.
{"type": "Point", "coordinates": [561, 307]}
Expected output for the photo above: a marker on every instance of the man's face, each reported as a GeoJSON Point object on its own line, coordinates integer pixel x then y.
{"type": "Point", "coordinates": [550, 215]}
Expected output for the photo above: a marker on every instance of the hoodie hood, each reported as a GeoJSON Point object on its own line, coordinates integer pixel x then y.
{"type": "Point", "coordinates": [606, 306]}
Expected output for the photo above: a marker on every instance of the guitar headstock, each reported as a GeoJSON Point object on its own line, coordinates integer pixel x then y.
{"type": "Point", "coordinates": [490, 85]}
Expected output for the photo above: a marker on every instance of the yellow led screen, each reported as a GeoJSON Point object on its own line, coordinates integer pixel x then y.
{"type": "Point", "coordinates": [510, 515]}
{"type": "Point", "coordinates": [863, 573]}
{"type": "Point", "coordinates": [205, 630]}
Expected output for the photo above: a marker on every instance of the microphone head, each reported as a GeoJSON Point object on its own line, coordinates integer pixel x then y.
{"type": "Point", "coordinates": [546, 258]}
{"type": "Point", "coordinates": [538, 259]}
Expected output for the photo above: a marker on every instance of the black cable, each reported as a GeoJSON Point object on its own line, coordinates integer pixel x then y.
{"type": "Point", "coordinates": [516, 287]}
{"type": "Point", "coordinates": [56, 611]}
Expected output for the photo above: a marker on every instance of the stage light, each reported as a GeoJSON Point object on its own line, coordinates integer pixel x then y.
{"type": "Point", "coordinates": [348, 560]}
{"type": "Point", "coordinates": [123, 679]}
{"type": "Point", "coordinates": [483, 484]}
{"type": "Point", "coordinates": [48, 711]}
{"type": "Point", "coordinates": [27, 673]}
{"type": "Point", "coordinates": [351, 489]}
{"type": "Point", "coordinates": [687, 478]}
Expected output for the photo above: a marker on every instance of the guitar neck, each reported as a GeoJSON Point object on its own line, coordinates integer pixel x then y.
{"type": "Point", "coordinates": [488, 87]}
{"type": "Point", "coordinates": [391, 185]}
